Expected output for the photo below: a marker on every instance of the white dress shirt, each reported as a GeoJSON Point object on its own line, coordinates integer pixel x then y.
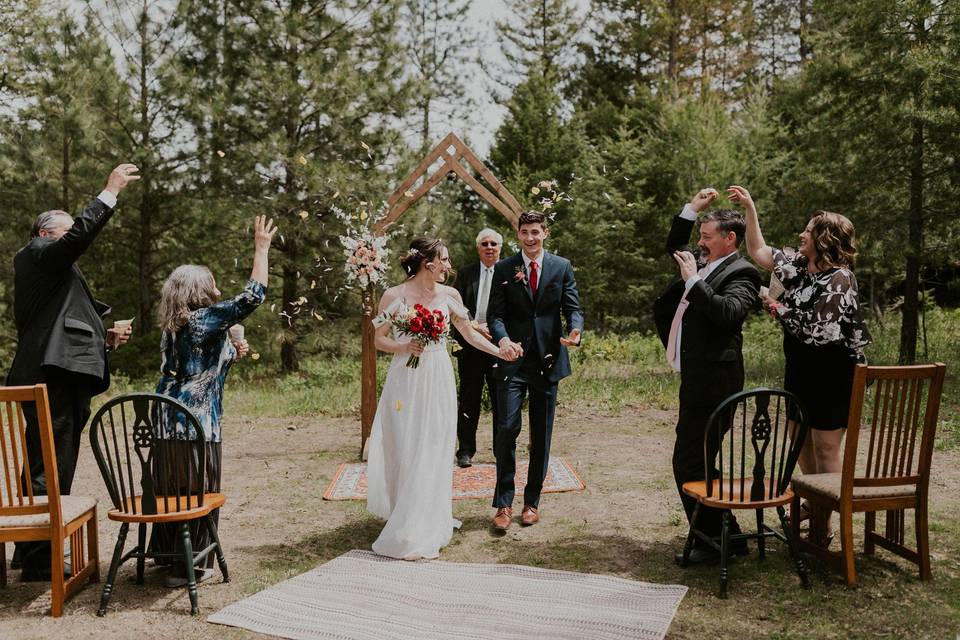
{"type": "Point", "coordinates": [689, 214]}
{"type": "Point", "coordinates": [483, 287]}
{"type": "Point", "coordinates": [107, 198]}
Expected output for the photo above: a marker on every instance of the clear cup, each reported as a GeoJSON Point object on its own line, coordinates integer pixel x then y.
{"type": "Point", "coordinates": [236, 333]}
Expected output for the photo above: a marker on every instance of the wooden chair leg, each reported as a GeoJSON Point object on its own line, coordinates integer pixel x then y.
{"type": "Point", "coordinates": [3, 564]}
{"type": "Point", "coordinates": [688, 546]}
{"type": "Point", "coordinates": [791, 537]}
{"type": "Point", "coordinates": [142, 553]}
{"type": "Point", "coordinates": [57, 590]}
{"type": "Point", "coordinates": [923, 538]}
{"type": "Point", "coordinates": [870, 525]}
{"type": "Point", "coordinates": [221, 559]}
{"type": "Point", "coordinates": [114, 565]}
{"type": "Point", "coordinates": [846, 546]}
{"type": "Point", "coordinates": [761, 546]}
{"type": "Point", "coordinates": [724, 552]}
{"type": "Point", "coordinates": [188, 564]}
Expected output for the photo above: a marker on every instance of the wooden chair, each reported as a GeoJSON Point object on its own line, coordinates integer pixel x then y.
{"type": "Point", "coordinates": [27, 517]}
{"type": "Point", "coordinates": [747, 437]}
{"type": "Point", "coordinates": [154, 477]}
{"type": "Point", "coordinates": [902, 404]}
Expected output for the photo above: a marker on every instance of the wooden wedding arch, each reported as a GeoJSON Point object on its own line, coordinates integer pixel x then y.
{"type": "Point", "coordinates": [455, 157]}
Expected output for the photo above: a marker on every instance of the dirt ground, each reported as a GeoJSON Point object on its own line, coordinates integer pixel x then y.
{"type": "Point", "coordinates": [627, 522]}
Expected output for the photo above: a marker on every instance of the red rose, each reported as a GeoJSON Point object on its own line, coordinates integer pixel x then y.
{"type": "Point", "coordinates": [416, 325]}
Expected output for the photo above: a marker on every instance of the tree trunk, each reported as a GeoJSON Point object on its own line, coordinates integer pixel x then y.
{"type": "Point", "coordinates": [674, 40]}
{"type": "Point", "coordinates": [911, 288]}
{"type": "Point", "coordinates": [804, 35]}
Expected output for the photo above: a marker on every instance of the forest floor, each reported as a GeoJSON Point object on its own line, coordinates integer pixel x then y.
{"type": "Point", "coordinates": [626, 523]}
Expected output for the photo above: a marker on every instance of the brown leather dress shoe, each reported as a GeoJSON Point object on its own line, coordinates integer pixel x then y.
{"type": "Point", "coordinates": [529, 515]}
{"type": "Point", "coordinates": [501, 521]}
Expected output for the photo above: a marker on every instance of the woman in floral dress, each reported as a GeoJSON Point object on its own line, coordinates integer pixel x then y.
{"type": "Point", "coordinates": [197, 354]}
{"type": "Point", "coordinates": [823, 330]}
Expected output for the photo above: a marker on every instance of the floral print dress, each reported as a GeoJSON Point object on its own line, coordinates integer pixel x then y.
{"type": "Point", "coordinates": [824, 337]}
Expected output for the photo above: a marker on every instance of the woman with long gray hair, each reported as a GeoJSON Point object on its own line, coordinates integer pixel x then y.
{"type": "Point", "coordinates": [196, 357]}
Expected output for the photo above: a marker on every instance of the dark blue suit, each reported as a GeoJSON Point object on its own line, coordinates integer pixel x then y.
{"type": "Point", "coordinates": [536, 323]}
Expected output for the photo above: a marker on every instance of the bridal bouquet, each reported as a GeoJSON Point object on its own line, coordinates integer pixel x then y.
{"type": "Point", "coordinates": [421, 324]}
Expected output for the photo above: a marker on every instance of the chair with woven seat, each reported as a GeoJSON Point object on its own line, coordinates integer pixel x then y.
{"type": "Point", "coordinates": [55, 518]}
{"type": "Point", "coordinates": [901, 404]}
{"type": "Point", "coordinates": [155, 476]}
{"type": "Point", "coordinates": [749, 458]}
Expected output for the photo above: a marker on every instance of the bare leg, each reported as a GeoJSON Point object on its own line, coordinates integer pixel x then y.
{"type": "Point", "coordinates": [827, 447]}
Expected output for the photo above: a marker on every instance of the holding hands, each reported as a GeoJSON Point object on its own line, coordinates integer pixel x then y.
{"type": "Point", "coordinates": [510, 350]}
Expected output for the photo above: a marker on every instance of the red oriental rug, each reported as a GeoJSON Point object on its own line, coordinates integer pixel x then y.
{"type": "Point", "coordinates": [350, 480]}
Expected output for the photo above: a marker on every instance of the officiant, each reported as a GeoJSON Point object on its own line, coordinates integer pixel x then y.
{"type": "Point", "coordinates": [475, 367]}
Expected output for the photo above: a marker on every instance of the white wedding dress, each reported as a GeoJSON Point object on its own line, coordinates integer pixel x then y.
{"type": "Point", "coordinates": [410, 461]}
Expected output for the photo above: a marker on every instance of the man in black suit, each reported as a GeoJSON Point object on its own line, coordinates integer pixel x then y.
{"type": "Point", "coordinates": [699, 319]}
{"type": "Point", "coordinates": [475, 367]}
{"type": "Point", "coordinates": [61, 341]}
{"type": "Point", "coordinates": [533, 293]}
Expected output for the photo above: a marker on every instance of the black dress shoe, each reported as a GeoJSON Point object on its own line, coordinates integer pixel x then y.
{"type": "Point", "coordinates": [463, 461]}
{"type": "Point", "coordinates": [698, 556]}
{"type": "Point", "coordinates": [709, 556]}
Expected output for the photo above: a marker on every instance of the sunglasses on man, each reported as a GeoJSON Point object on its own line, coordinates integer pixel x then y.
{"type": "Point", "coordinates": [489, 243]}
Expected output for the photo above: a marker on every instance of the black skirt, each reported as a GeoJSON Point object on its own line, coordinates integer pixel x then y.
{"type": "Point", "coordinates": [822, 377]}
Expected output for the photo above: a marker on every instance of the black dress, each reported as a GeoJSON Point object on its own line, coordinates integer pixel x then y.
{"type": "Point", "coordinates": [823, 338]}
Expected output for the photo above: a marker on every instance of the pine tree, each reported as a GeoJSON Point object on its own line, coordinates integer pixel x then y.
{"type": "Point", "coordinates": [539, 37]}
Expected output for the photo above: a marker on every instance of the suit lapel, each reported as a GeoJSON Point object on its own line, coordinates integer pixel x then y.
{"type": "Point", "coordinates": [473, 288]}
{"type": "Point", "coordinates": [729, 260]}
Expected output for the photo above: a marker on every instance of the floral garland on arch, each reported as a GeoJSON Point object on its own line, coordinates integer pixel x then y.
{"type": "Point", "coordinates": [365, 251]}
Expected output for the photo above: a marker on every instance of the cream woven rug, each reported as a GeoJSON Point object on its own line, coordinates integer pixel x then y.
{"type": "Point", "coordinates": [363, 596]}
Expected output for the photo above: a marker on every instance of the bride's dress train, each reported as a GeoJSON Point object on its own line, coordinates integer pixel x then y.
{"type": "Point", "coordinates": [410, 462]}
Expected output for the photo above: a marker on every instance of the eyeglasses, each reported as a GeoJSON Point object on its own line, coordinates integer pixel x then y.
{"type": "Point", "coordinates": [489, 244]}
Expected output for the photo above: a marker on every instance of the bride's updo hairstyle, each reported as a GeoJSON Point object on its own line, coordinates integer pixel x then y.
{"type": "Point", "coordinates": [422, 249]}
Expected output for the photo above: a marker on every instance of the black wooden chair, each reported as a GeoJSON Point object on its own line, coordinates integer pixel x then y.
{"type": "Point", "coordinates": [154, 477]}
{"type": "Point", "coordinates": [749, 460]}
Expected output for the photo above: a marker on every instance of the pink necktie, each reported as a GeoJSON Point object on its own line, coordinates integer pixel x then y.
{"type": "Point", "coordinates": [677, 319]}
{"type": "Point", "coordinates": [675, 328]}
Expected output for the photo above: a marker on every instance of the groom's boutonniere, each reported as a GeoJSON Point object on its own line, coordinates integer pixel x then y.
{"type": "Point", "coordinates": [520, 275]}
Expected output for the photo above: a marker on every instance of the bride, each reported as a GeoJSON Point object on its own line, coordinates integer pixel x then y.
{"type": "Point", "coordinates": [410, 462]}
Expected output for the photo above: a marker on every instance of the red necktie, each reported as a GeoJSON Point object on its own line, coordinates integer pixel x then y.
{"type": "Point", "coordinates": [533, 278]}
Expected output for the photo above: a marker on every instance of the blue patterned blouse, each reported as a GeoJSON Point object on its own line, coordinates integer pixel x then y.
{"type": "Point", "coordinates": [196, 360]}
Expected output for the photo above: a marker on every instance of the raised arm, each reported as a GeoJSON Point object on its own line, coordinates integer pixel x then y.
{"type": "Point", "coordinates": [263, 231]}
{"type": "Point", "coordinates": [756, 245]}
{"type": "Point", "coordinates": [60, 254]}
{"type": "Point", "coordinates": [679, 237]}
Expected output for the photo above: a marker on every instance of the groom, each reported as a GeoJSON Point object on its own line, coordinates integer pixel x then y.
{"type": "Point", "coordinates": [531, 292]}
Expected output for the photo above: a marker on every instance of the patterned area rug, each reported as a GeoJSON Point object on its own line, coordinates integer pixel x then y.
{"type": "Point", "coordinates": [367, 597]}
{"type": "Point", "coordinates": [478, 481]}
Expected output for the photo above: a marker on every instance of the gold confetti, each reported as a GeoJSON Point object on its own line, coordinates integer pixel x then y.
{"type": "Point", "coordinates": [335, 194]}
{"type": "Point", "coordinates": [363, 215]}
{"type": "Point", "coordinates": [220, 153]}
{"type": "Point", "coordinates": [254, 356]}
{"type": "Point", "coordinates": [534, 190]}
{"type": "Point", "coordinates": [302, 159]}
{"type": "Point", "coordinates": [313, 284]}
{"type": "Point", "coordinates": [317, 316]}
{"type": "Point", "coordinates": [408, 193]}
{"type": "Point", "coordinates": [399, 405]}
{"type": "Point", "coordinates": [301, 300]}
{"type": "Point", "coordinates": [365, 145]}
{"type": "Point", "coordinates": [304, 214]}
